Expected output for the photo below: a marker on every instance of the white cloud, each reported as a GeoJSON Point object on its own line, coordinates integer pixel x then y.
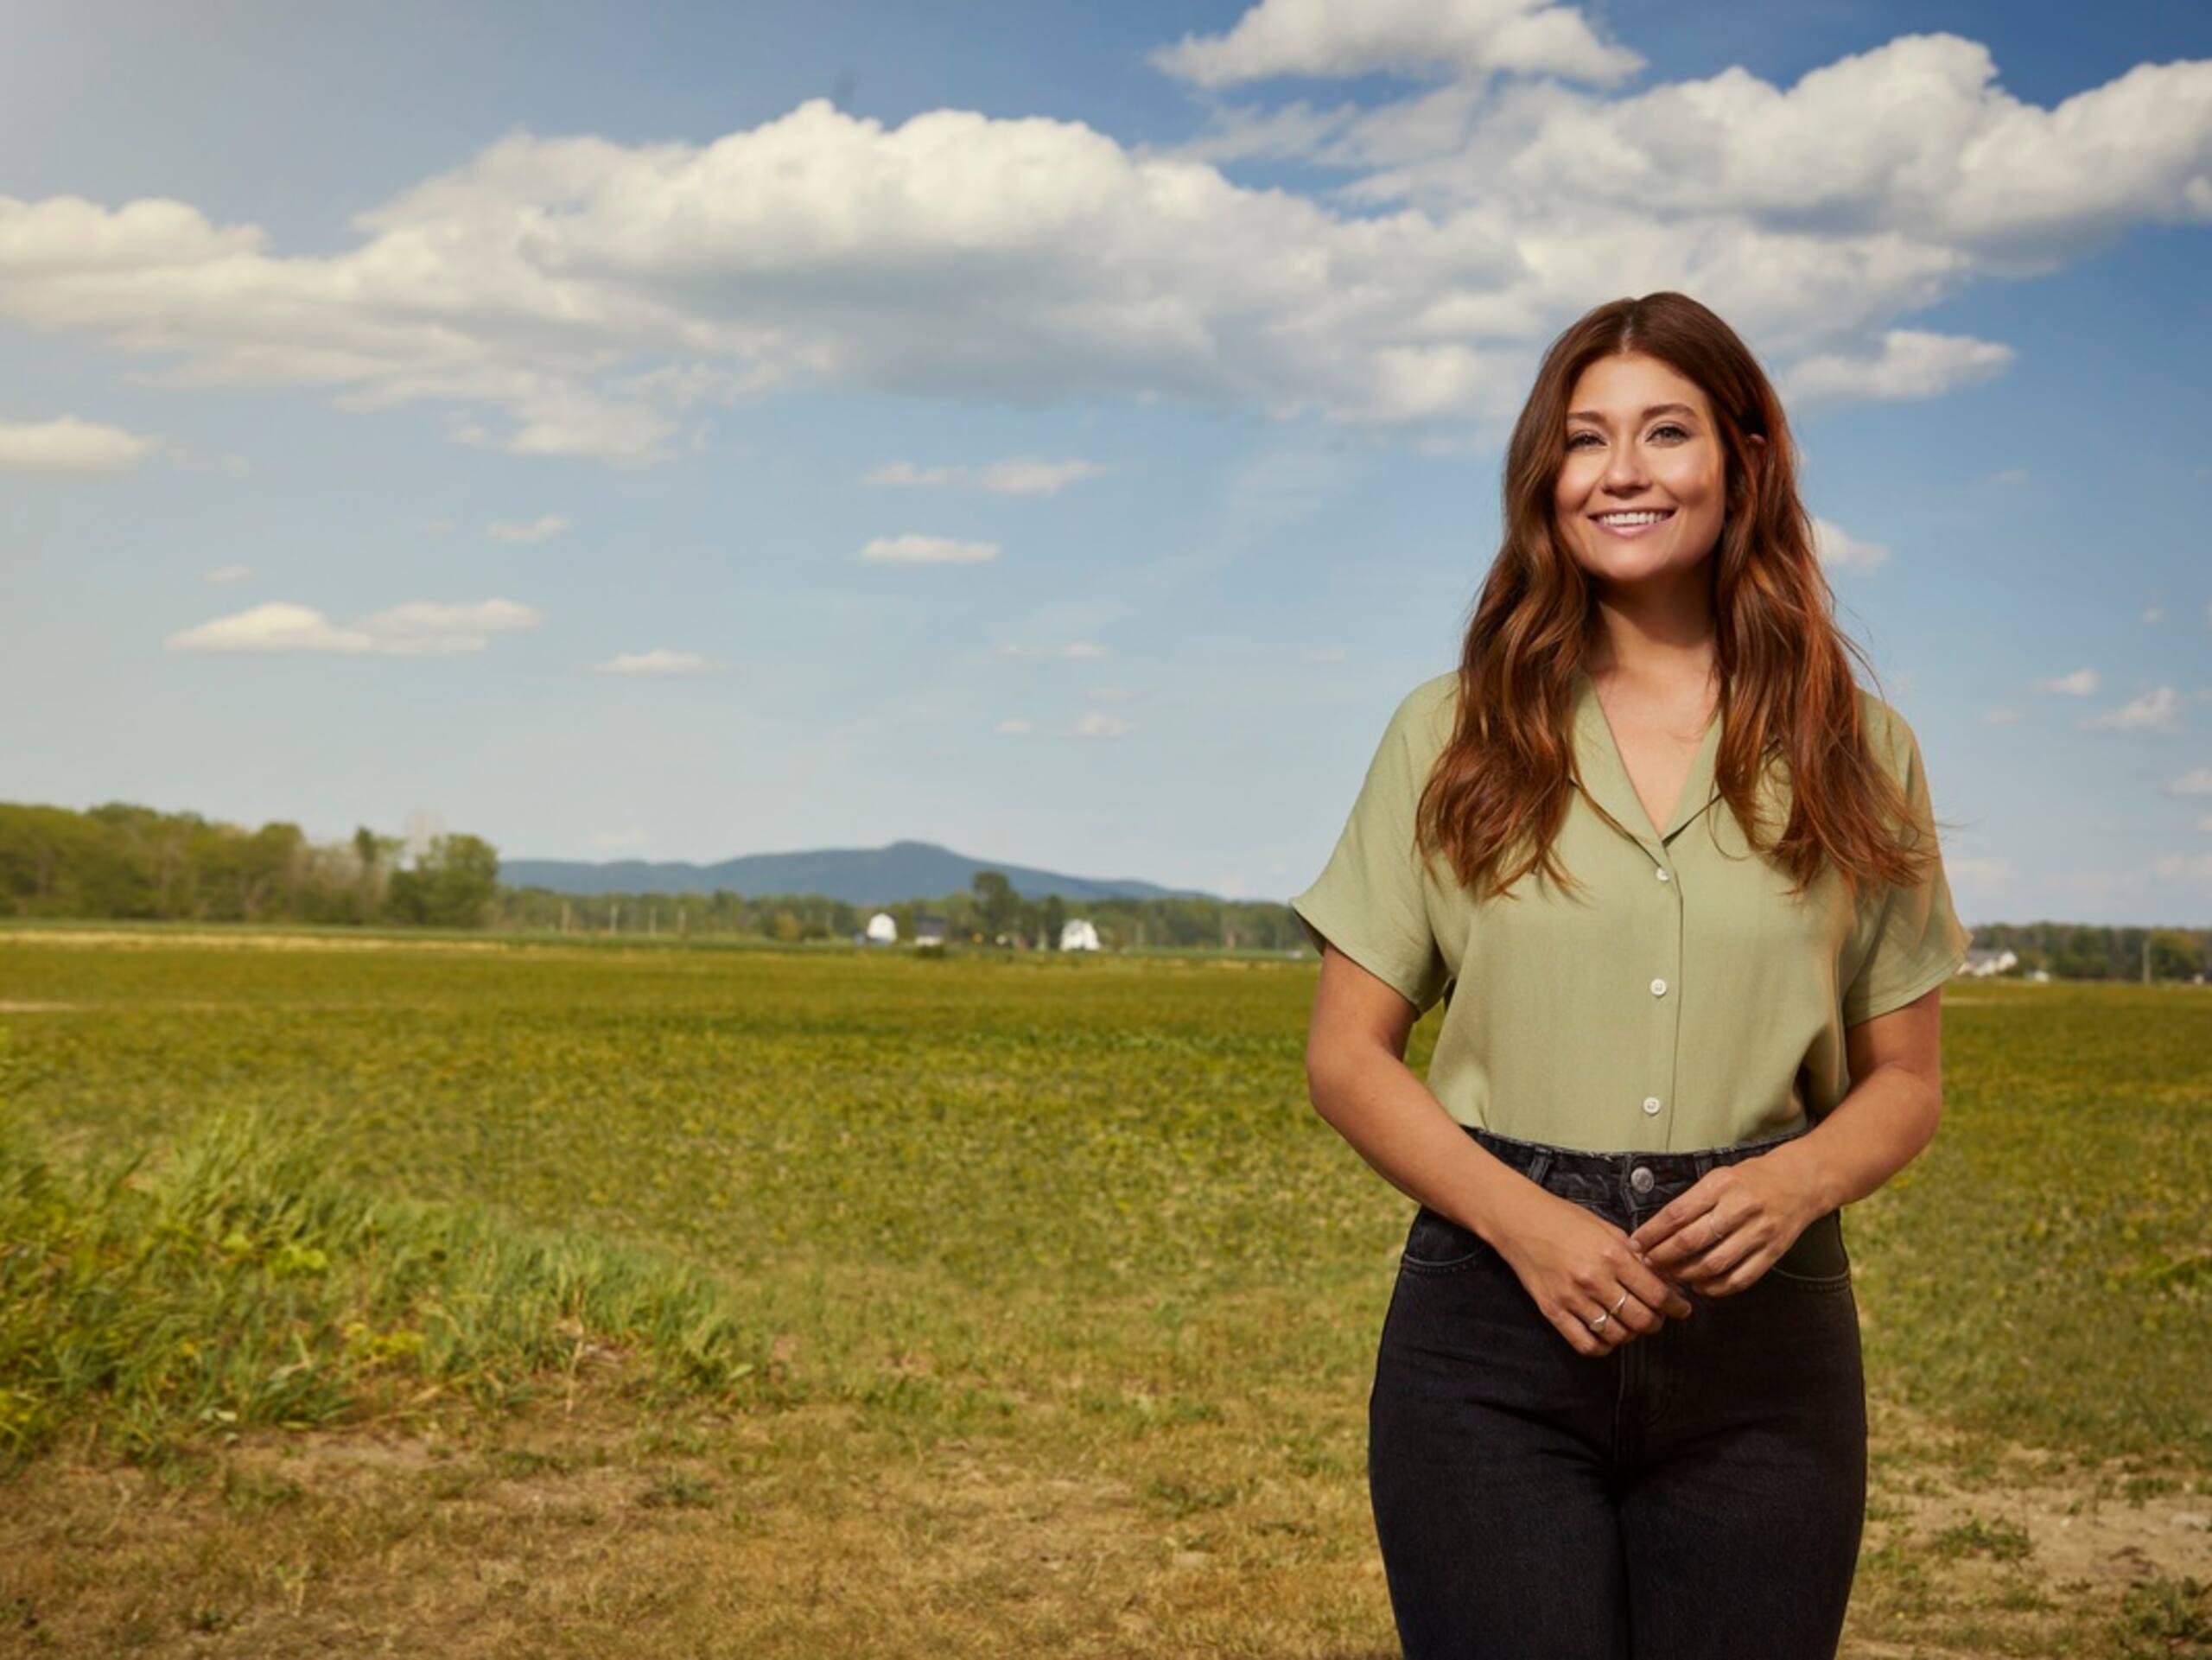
{"type": "Point", "coordinates": [1081, 650]}
{"type": "Point", "coordinates": [1326, 38]}
{"type": "Point", "coordinates": [1910, 363]}
{"type": "Point", "coordinates": [421, 629]}
{"type": "Point", "coordinates": [1015, 726]}
{"type": "Point", "coordinates": [1096, 723]}
{"type": "Point", "coordinates": [912, 550]}
{"type": "Point", "coordinates": [2152, 614]}
{"type": "Point", "coordinates": [69, 445]}
{"type": "Point", "coordinates": [574, 296]}
{"type": "Point", "coordinates": [2183, 867]}
{"type": "Point", "coordinates": [1839, 550]}
{"type": "Point", "coordinates": [2154, 711]}
{"type": "Point", "coordinates": [2003, 714]}
{"type": "Point", "coordinates": [538, 530]}
{"type": "Point", "coordinates": [658, 661]}
{"type": "Point", "coordinates": [1007, 478]}
{"type": "Point", "coordinates": [2196, 783]}
{"type": "Point", "coordinates": [616, 840]}
{"type": "Point", "coordinates": [1110, 694]}
{"type": "Point", "coordinates": [228, 574]}
{"type": "Point", "coordinates": [2082, 682]}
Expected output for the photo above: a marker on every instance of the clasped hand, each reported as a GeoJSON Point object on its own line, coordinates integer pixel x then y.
{"type": "Point", "coordinates": [1717, 1238]}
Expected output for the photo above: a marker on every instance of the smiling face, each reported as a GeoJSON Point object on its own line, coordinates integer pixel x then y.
{"type": "Point", "coordinates": [1639, 442]}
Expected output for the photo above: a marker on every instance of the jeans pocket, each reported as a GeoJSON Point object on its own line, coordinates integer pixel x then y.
{"type": "Point", "coordinates": [1816, 1260]}
{"type": "Point", "coordinates": [1437, 1244]}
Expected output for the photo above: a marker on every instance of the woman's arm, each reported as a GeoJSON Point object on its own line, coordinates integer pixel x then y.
{"type": "Point", "coordinates": [1357, 1079]}
{"type": "Point", "coordinates": [1888, 1115]}
{"type": "Point", "coordinates": [1723, 1233]}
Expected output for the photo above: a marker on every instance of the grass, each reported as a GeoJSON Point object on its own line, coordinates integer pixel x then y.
{"type": "Point", "coordinates": [1061, 1304]}
{"type": "Point", "coordinates": [235, 1284]}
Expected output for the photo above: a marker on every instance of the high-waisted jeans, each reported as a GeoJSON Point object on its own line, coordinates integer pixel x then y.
{"type": "Point", "coordinates": [1696, 1493]}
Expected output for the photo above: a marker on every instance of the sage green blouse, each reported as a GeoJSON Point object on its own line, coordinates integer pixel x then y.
{"type": "Point", "coordinates": [1681, 1000]}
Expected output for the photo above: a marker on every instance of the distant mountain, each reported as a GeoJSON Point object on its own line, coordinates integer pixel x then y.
{"type": "Point", "coordinates": [884, 875]}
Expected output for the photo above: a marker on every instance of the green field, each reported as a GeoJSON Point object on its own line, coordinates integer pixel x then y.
{"type": "Point", "coordinates": [799, 1302]}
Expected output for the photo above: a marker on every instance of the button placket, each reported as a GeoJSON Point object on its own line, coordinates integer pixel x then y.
{"type": "Point", "coordinates": [1667, 1011]}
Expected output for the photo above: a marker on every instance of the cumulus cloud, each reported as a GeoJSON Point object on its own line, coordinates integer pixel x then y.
{"type": "Point", "coordinates": [423, 629]}
{"type": "Point", "coordinates": [69, 445]}
{"type": "Point", "coordinates": [1327, 38]}
{"type": "Point", "coordinates": [538, 530]}
{"type": "Point", "coordinates": [912, 550]}
{"type": "Point", "coordinates": [1910, 363]}
{"type": "Point", "coordinates": [658, 661]}
{"type": "Point", "coordinates": [2195, 782]}
{"type": "Point", "coordinates": [1008, 477]}
{"type": "Point", "coordinates": [1096, 723]}
{"type": "Point", "coordinates": [1080, 650]}
{"type": "Point", "coordinates": [2082, 682]}
{"type": "Point", "coordinates": [576, 297]}
{"type": "Point", "coordinates": [2157, 710]}
{"type": "Point", "coordinates": [1840, 550]}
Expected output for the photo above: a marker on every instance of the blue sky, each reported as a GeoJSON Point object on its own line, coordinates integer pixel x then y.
{"type": "Point", "coordinates": [1061, 433]}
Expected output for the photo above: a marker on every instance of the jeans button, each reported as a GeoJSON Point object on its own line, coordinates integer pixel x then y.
{"type": "Point", "coordinates": [1640, 1178]}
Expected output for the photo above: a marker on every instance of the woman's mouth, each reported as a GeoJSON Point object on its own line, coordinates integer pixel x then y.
{"type": "Point", "coordinates": [1628, 525]}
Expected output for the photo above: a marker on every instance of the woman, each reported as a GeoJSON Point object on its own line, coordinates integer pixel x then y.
{"type": "Point", "coordinates": [1673, 874]}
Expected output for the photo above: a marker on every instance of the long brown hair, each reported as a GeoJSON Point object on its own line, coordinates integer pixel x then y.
{"type": "Point", "coordinates": [1788, 697]}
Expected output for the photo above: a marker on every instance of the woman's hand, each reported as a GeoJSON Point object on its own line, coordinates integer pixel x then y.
{"type": "Point", "coordinates": [1727, 1230]}
{"type": "Point", "coordinates": [1576, 1265]}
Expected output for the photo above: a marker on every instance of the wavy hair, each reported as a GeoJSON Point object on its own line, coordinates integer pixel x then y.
{"type": "Point", "coordinates": [1500, 788]}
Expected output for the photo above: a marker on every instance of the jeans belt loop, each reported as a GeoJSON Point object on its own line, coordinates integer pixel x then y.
{"type": "Point", "coordinates": [1540, 1163]}
{"type": "Point", "coordinates": [1704, 1164]}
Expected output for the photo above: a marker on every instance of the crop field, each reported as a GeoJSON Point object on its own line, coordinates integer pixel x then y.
{"type": "Point", "coordinates": [471, 1298]}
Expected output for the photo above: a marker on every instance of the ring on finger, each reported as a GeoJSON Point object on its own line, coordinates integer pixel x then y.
{"type": "Point", "coordinates": [1598, 1324]}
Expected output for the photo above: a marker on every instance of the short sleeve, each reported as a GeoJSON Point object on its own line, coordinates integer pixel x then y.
{"type": "Point", "coordinates": [1370, 901]}
{"type": "Point", "coordinates": [1917, 941]}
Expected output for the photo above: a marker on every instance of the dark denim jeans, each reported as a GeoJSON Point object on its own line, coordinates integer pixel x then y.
{"type": "Point", "coordinates": [1695, 1494]}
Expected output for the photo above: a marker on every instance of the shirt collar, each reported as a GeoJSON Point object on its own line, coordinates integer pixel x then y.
{"type": "Point", "coordinates": [1603, 777]}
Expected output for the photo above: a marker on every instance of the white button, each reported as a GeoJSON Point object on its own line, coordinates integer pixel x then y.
{"type": "Point", "coordinates": [1665, 875]}
{"type": "Point", "coordinates": [1658, 988]}
{"type": "Point", "coordinates": [1651, 1104]}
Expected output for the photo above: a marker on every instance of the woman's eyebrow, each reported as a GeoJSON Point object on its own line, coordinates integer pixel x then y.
{"type": "Point", "coordinates": [1656, 409]}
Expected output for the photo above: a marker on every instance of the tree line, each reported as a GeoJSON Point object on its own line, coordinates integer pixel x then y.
{"type": "Point", "coordinates": [126, 862]}
{"type": "Point", "coordinates": [130, 863]}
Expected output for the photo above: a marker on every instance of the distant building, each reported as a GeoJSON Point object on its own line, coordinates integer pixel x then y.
{"type": "Point", "coordinates": [931, 930]}
{"type": "Point", "coordinates": [882, 929]}
{"type": "Point", "coordinates": [1077, 935]}
{"type": "Point", "coordinates": [1983, 962]}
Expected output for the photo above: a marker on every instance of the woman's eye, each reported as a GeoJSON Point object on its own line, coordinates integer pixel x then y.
{"type": "Point", "coordinates": [1574, 441]}
{"type": "Point", "coordinates": [1669, 427]}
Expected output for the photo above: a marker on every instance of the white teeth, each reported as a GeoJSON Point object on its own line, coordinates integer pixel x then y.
{"type": "Point", "coordinates": [1629, 518]}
